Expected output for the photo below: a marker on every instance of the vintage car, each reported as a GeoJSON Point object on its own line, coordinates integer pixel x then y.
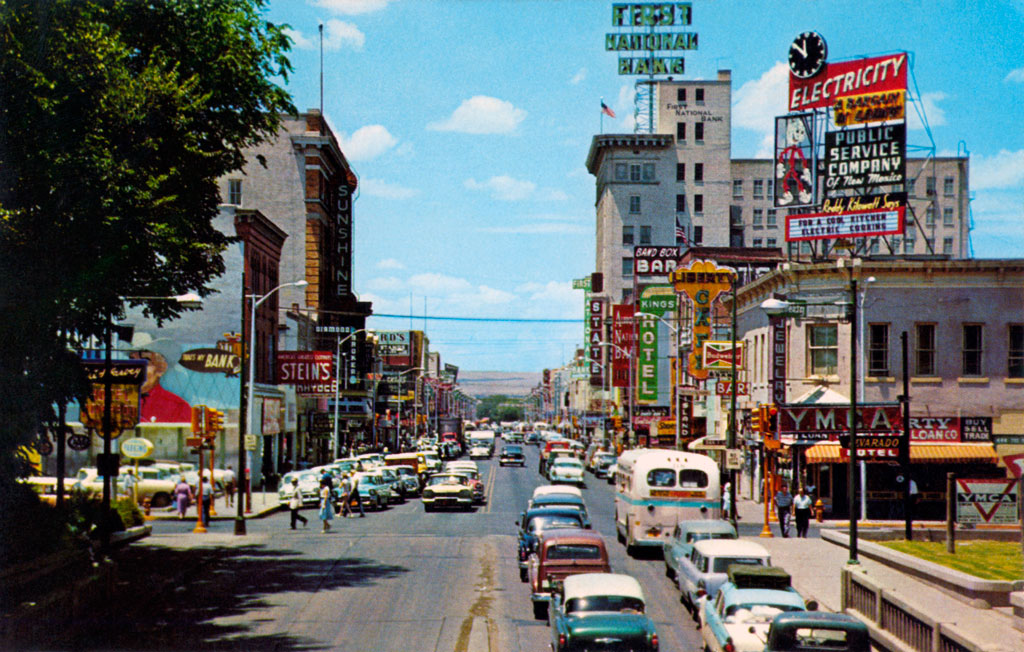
{"type": "Point", "coordinates": [480, 451]}
{"type": "Point", "coordinates": [739, 616]}
{"type": "Point", "coordinates": [566, 469]}
{"type": "Point", "coordinates": [609, 473]}
{"type": "Point", "coordinates": [815, 631]}
{"type": "Point", "coordinates": [706, 569]}
{"type": "Point", "coordinates": [410, 479]}
{"type": "Point", "coordinates": [600, 611]}
{"type": "Point", "coordinates": [447, 490]}
{"type": "Point", "coordinates": [309, 486]}
{"type": "Point", "coordinates": [371, 460]}
{"type": "Point", "coordinates": [415, 459]}
{"type": "Point", "coordinates": [533, 522]}
{"type": "Point", "coordinates": [155, 485]}
{"type": "Point", "coordinates": [512, 454]}
{"type": "Point", "coordinates": [469, 470]}
{"type": "Point", "coordinates": [687, 533]}
{"type": "Point", "coordinates": [602, 462]}
{"type": "Point", "coordinates": [394, 482]}
{"type": "Point", "coordinates": [559, 554]}
{"type": "Point", "coordinates": [374, 492]}
{"type": "Point", "coordinates": [556, 489]}
{"type": "Point", "coordinates": [562, 500]}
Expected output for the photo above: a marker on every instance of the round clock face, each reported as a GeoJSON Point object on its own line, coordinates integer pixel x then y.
{"type": "Point", "coordinates": [807, 55]}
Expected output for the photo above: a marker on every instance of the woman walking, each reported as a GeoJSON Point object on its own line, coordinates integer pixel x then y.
{"type": "Point", "coordinates": [326, 508]}
{"type": "Point", "coordinates": [182, 496]}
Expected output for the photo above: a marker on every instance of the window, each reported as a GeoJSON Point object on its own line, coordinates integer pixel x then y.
{"type": "Point", "coordinates": [931, 244]}
{"type": "Point", "coordinates": [758, 188]}
{"type": "Point", "coordinates": [698, 94]}
{"type": "Point", "coordinates": [875, 246]}
{"type": "Point", "coordinates": [770, 243]}
{"type": "Point", "coordinates": [693, 479]}
{"type": "Point", "coordinates": [972, 349]}
{"type": "Point", "coordinates": [235, 192]}
{"type": "Point", "coordinates": [823, 349]}
{"type": "Point", "coordinates": [645, 234]}
{"type": "Point", "coordinates": [773, 219]}
{"type": "Point", "coordinates": [634, 203]}
{"type": "Point", "coordinates": [947, 186]}
{"type": "Point", "coordinates": [736, 216]}
{"type": "Point", "coordinates": [929, 186]}
{"type": "Point", "coordinates": [1015, 368]}
{"type": "Point", "coordinates": [621, 172]}
{"type": "Point", "coordinates": [908, 243]}
{"type": "Point", "coordinates": [758, 218]}
{"type": "Point", "coordinates": [878, 349]}
{"type": "Point", "coordinates": [680, 94]}
{"type": "Point", "coordinates": [909, 186]}
{"type": "Point", "coordinates": [758, 242]}
{"type": "Point", "coordinates": [924, 351]}
{"type": "Point", "coordinates": [627, 295]}
{"type": "Point", "coordinates": [681, 131]}
{"type": "Point", "coordinates": [910, 217]}
{"type": "Point", "coordinates": [805, 248]}
{"type": "Point", "coordinates": [574, 551]}
{"type": "Point", "coordinates": [947, 216]}
{"type": "Point", "coordinates": [947, 245]}
{"type": "Point", "coordinates": [680, 203]}
{"type": "Point", "coordinates": [627, 234]}
{"type": "Point", "coordinates": [648, 172]}
{"type": "Point", "coordinates": [627, 267]}
{"type": "Point", "coordinates": [698, 172]}
{"type": "Point", "coordinates": [896, 244]}
{"type": "Point", "coordinates": [698, 132]}
{"type": "Point", "coordinates": [769, 184]}
{"type": "Point", "coordinates": [698, 235]}
{"type": "Point", "coordinates": [698, 204]}
{"type": "Point", "coordinates": [737, 188]}
{"type": "Point", "coordinates": [634, 173]}
{"type": "Point", "coordinates": [680, 171]}
{"type": "Point", "coordinates": [661, 478]}
{"type": "Point", "coordinates": [929, 216]}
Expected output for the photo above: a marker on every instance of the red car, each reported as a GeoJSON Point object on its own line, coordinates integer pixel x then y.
{"type": "Point", "coordinates": [561, 553]}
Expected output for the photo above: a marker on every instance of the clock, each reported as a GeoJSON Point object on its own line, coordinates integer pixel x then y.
{"type": "Point", "coordinates": [807, 55]}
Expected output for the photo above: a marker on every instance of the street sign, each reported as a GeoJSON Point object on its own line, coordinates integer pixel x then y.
{"type": "Point", "coordinates": [734, 459]}
{"type": "Point", "coordinates": [986, 501]}
{"type": "Point", "coordinates": [194, 442]}
{"type": "Point", "coordinates": [250, 442]}
{"type": "Point", "coordinates": [136, 447]}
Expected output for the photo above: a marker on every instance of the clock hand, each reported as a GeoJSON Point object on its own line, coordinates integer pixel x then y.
{"type": "Point", "coordinates": [802, 49]}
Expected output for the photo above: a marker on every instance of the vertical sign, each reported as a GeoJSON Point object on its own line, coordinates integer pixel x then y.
{"type": "Point", "coordinates": [595, 311]}
{"type": "Point", "coordinates": [778, 360]}
{"type": "Point", "coordinates": [343, 239]}
{"type": "Point", "coordinates": [794, 160]}
{"type": "Point", "coordinates": [654, 301]}
{"type": "Point", "coordinates": [623, 336]}
{"type": "Point", "coordinates": [702, 281]}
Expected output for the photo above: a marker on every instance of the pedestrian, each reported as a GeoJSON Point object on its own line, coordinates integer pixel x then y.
{"type": "Point", "coordinates": [207, 492]}
{"type": "Point", "coordinates": [229, 486]}
{"type": "Point", "coordinates": [326, 508]}
{"type": "Point", "coordinates": [295, 504]}
{"type": "Point", "coordinates": [346, 496]}
{"type": "Point", "coordinates": [131, 485]}
{"type": "Point", "coordinates": [727, 501]}
{"type": "Point", "coordinates": [356, 496]}
{"type": "Point", "coordinates": [802, 512]}
{"type": "Point", "coordinates": [182, 496]}
{"type": "Point", "coordinates": [783, 504]}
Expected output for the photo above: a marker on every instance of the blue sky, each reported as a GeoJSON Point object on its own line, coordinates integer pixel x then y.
{"type": "Point", "coordinates": [469, 121]}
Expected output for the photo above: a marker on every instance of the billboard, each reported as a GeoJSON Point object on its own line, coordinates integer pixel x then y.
{"type": "Point", "coordinates": [654, 302]}
{"type": "Point", "coordinates": [595, 314]}
{"type": "Point", "coordinates": [654, 261]}
{"type": "Point", "coordinates": [865, 158]}
{"type": "Point", "coordinates": [811, 423]}
{"type": "Point", "coordinates": [651, 29]}
{"type": "Point", "coordinates": [846, 78]}
{"type": "Point", "coordinates": [623, 335]}
{"type": "Point", "coordinates": [299, 367]}
{"type": "Point", "coordinates": [794, 160]}
{"type": "Point", "coordinates": [870, 107]}
{"type": "Point", "coordinates": [702, 281]}
{"type": "Point", "coordinates": [986, 501]}
{"type": "Point", "coordinates": [395, 348]}
{"type": "Point", "coordinates": [850, 217]}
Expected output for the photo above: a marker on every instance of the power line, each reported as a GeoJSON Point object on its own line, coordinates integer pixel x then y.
{"type": "Point", "coordinates": [485, 319]}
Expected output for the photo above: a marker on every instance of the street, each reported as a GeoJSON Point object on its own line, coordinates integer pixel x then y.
{"type": "Point", "coordinates": [402, 580]}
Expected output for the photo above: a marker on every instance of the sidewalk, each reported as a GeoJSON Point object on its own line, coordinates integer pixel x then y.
{"type": "Point", "coordinates": [263, 503]}
{"type": "Point", "coordinates": [815, 566]}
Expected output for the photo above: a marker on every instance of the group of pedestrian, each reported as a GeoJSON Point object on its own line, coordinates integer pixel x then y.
{"type": "Point", "coordinates": [184, 496]}
{"type": "Point", "coordinates": [799, 505]}
{"type": "Point", "coordinates": [328, 508]}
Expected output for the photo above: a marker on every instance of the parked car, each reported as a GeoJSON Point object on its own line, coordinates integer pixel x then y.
{"type": "Point", "coordinates": [559, 554]}
{"type": "Point", "coordinates": [566, 469]}
{"type": "Point", "coordinates": [533, 522]}
{"type": "Point", "coordinates": [706, 569]}
{"type": "Point", "coordinates": [602, 462]}
{"type": "Point", "coordinates": [814, 631]}
{"type": "Point", "coordinates": [600, 610]}
{"type": "Point", "coordinates": [609, 473]}
{"type": "Point", "coordinates": [309, 486]}
{"type": "Point", "coordinates": [512, 454]}
{"type": "Point", "coordinates": [738, 618]}
{"type": "Point", "coordinates": [447, 490]}
{"type": "Point", "coordinates": [687, 533]}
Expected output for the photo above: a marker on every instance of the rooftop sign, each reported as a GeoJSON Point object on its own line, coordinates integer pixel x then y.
{"type": "Point", "coordinates": [640, 20]}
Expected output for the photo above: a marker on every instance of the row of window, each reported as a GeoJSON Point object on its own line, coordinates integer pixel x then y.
{"type": "Point", "coordinates": [698, 132]}
{"type": "Point", "coordinates": [698, 95]}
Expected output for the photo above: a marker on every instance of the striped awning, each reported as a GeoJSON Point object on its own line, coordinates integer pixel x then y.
{"type": "Point", "coordinates": [830, 453]}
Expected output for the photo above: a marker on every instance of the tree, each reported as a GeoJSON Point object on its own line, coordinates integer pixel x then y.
{"type": "Point", "coordinates": [117, 117]}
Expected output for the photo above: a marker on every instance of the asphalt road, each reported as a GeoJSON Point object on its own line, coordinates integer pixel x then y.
{"type": "Point", "coordinates": [401, 580]}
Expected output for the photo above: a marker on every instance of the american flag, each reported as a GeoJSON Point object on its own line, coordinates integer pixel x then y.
{"type": "Point", "coordinates": [681, 238]}
{"type": "Point", "coordinates": [605, 109]}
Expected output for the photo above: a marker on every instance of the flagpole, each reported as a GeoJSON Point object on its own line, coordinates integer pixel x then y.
{"type": "Point", "coordinates": [602, 116]}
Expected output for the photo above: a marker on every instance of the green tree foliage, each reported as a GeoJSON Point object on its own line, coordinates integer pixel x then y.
{"type": "Point", "coordinates": [117, 117]}
{"type": "Point", "coordinates": [500, 407]}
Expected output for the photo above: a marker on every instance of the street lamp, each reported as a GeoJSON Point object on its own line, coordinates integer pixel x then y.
{"type": "Point", "coordinates": [337, 385]}
{"type": "Point", "coordinates": [398, 430]}
{"type": "Point", "coordinates": [254, 300]}
{"type": "Point", "coordinates": [851, 481]}
{"type": "Point", "coordinates": [777, 310]}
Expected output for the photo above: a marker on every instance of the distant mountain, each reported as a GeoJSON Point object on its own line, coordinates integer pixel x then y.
{"type": "Point", "coordinates": [489, 383]}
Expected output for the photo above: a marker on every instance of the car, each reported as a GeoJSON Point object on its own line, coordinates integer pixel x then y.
{"type": "Point", "coordinates": [556, 489]}
{"type": "Point", "coordinates": [410, 479]}
{"type": "Point", "coordinates": [610, 472]}
{"type": "Point", "coordinates": [156, 485]}
{"type": "Point", "coordinates": [473, 475]}
{"type": "Point", "coordinates": [394, 482]}
{"type": "Point", "coordinates": [532, 438]}
{"type": "Point", "coordinates": [814, 631]}
{"type": "Point", "coordinates": [738, 618]}
{"type": "Point", "coordinates": [562, 500]}
{"type": "Point", "coordinates": [559, 554]}
{"type": "Point", "coordinates": [480, 451]}
{"type": "Point", "coordinates": [706, 569]}
{"type": "Point", "coordinates": [566, 469]}
{"type": "Point", "coordinates": [533, 522]}
{"type": "Point", "coordinates": [309, 487]}
{"type": "Point", "coordinates": [602, 462]}
{"type": "Point", "coordinates": [514, 438]}
{"type": "Point", "coordinates": [685, 534]}
{"type": "Point", "coordinates": [600, 611]}
{"type": "Point", "coordinates": [373, 490]}
{"type": "Point", "coordinates": [512, 454]}
{"type": "Point", "coordinates": [447, 490]}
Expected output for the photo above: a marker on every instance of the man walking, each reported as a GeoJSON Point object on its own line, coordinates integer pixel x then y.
{"type": "Point", "coordinates": [802, 512]}
{"type": "Point", "coordinates": [295, 503]}
{"type": "Point", "coordinates": [783, 503]}
{"type": "Point", "coordinates": [356, 497]}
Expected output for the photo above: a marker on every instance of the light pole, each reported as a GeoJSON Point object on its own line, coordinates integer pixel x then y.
{"type": "Point", "coordinates": [851, 481]}
{"type": "Point", "coordinates": [243, 469]}
{"type": "Point", "coordinates": [398, 429]}
{"type": "Point", "coordinates": [777, 311]}
{"type": "Point", "coordinates": [337, 385]}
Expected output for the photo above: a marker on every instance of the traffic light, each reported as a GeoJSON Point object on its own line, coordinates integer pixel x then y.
{"type": "Point", "coordinates": [617, 422]}
{"type": "Point", "coordinates": [198, 416]}
{"type": "Point", "coordinates": [756, 422]}
{"type": "Point", "coordinates": [214, 421]}
{"type": "Point", "coordinates": [770, 423]}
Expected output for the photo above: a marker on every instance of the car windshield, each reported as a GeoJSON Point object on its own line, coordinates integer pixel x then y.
{"type": "Point", "coordinates": [605, 603]}
{"type": "Point", "coordinates": [512, 450]}
{"type": "Point", "coordinates": [472, 475]}
{"type": "Point", "coordinates": [721, 564]}
{"type": "Point", "coordinates": [704, 536]}
{"type": "Point", "coordinates": [819, 638]}
{"type": "Point", "coordinates": [557, 499]}
{"type": "Point", "coordinates": [541, 523]}
{"type": "Point", "coordinates": [756, 613]}
{"type": "Point", "coordinates": [574, 551]}
{"type": "Point", "coordinates": [568, 462]}
{"type": "Point", "coordinates": [446, 479]}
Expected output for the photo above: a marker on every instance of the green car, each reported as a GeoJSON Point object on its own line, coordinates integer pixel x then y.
{"type": "Point", "coordinates": [813, 631]}
{"type": "Point", "coordinates": [600, 611]}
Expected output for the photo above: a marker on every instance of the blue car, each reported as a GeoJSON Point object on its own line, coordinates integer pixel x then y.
{"type": "Point", "coordinates": [532, 524]}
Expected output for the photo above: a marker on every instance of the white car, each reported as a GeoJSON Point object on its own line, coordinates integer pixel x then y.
{"type": "Point", "coordinates": [309, 486]}
{"type": "Point", "coordinates": [479, 452]}
{"type": "Point", "coordinates": [566, 469]}
{"type": "Point", "coordinates": [555, 489]}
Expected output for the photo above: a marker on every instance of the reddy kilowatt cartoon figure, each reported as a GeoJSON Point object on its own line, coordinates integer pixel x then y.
{"type": "Point", "coordinates": [793, 171]}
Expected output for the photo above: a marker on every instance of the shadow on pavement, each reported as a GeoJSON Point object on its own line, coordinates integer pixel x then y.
{"type": "Point", "coordinates": [216, 598]}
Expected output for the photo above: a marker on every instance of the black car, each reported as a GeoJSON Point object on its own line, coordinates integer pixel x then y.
{"type": "Point", "coordinates": [512, 455]}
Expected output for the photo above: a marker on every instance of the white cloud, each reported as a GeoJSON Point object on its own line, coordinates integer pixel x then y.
{"type": "Point", "coordinates": [390, 263]}
{"type": "Point", "coordinates": [386, 190]}
{"type": "Point", "coordinates": [482, 115]}
{"type": "Point", "coordinates": [935, 115]}
{"type": "Point", "coordinates": [352, 7]}
{"type": "Point", "coordinates": [384, 284]}
{"type": "Point", "coordinates": [433, 284]}
{"type": "Point", "coordinates": [1004, 170]}
{"type": "Point", "coordinates": [578, 77]}
{"type": "Point", "coordinates": [758, 101]}
{"type": "Point", "coordinates": [535, 228]}
{"type": "Point", "coordinates": [299, 40]}
{"type": "Point", "coordinates": [339, 34]}
{"type": "Point", "coordinates": [504, 187]}
{"type": "Point", "coordinates": [367, 143]}
{"type": "Point", "coordinates": [1016, 75]}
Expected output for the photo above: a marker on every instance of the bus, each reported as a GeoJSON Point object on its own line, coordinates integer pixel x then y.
{"type": "Point", "coordinates": [655, 489]}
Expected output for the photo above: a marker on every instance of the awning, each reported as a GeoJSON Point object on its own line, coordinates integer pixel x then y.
{"type": "Point", "coordinates": [822, 396]}
{"type": "Point", "coordinates": [704, 444]}
{"type": "Point", "coordinates": [829, 453]}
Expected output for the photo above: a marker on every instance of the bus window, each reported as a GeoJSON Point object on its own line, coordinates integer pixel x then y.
{"type": "Point", "coordinates": [692, 478]}
{"type": "Point", "coordinates": [661, 478]}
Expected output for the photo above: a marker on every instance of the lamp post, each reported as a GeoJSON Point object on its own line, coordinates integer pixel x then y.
{"type": "Point", "coordinates": [777, 311]}
{"type": "Point", "coordinates": [337, 385]}
{"type": "Point", "coordinates": [254, 302]}
{"type": "Point", "coordinates": [851, 481]}
{"type": "Point", "coordinates": [398, 429]}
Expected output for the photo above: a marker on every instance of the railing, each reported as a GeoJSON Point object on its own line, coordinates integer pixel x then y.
{"type": "Point", "coordinates": [913, 631]}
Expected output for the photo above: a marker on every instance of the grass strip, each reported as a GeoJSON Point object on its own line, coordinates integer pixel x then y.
{"type": "Point", "coordinates": [989, 560]}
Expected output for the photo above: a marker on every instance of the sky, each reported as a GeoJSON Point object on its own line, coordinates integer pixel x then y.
{"type": "Point", "coordinates": [468, 123]}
